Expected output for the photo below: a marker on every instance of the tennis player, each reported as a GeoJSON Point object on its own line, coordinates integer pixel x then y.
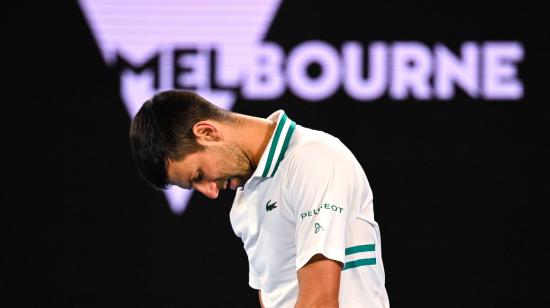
{"type": "Point", "coordinates": [303, 205]}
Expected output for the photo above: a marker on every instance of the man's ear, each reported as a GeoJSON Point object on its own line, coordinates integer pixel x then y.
{"type": "Point", "coordinates": [207, 131]}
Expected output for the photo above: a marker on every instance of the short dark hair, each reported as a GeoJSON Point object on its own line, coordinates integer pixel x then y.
{"type": "Point", "coordinates": [163, 129]}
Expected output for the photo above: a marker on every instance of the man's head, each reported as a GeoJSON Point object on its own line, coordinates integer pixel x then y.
{"type": "Point", "coordinates": [178, 137]}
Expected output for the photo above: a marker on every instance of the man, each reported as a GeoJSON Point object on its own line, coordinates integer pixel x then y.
{"type": "Point", "coordinates": [303, 206]}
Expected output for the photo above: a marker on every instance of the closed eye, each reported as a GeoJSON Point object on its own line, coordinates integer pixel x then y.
{"type": "Point", "coordinates": [198, 178]}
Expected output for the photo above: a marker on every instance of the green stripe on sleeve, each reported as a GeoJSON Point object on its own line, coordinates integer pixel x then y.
{"type": "Point", "coordinates": [285, 144]}
{"type": "Point", "coordinates": [278, 131]}
{"type": "Point", "coordinates": [360, 262]}
{"type": "Point", "coordinates": [360, 248]}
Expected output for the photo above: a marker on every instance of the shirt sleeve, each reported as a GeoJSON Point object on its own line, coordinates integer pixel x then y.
{"type": "Point", "coordinates": [323, 182]}
{"type": "Point", "coordinates": [253, 279]}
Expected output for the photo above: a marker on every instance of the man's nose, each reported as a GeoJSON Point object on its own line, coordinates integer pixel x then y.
{"type": "Point", "coordinates": [209, 189]}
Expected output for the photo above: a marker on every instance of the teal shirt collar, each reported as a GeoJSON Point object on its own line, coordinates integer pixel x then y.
{"type": "Point", "coordinates": [277, 146]}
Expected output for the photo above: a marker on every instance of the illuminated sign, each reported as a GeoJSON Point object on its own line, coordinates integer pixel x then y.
{"type": "Point", "coordinates": [217, 48]}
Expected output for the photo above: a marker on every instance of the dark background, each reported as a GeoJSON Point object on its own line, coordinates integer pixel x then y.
{"type": "Point", "coordinates": [451, 179]}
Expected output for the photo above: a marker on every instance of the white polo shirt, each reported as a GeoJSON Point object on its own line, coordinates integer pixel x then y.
{"type": "Point", "coordinates": [309, 195]}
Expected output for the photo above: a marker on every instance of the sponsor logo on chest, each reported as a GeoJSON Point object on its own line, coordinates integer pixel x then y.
{"type": "Point", "coordinates": [322, 207]}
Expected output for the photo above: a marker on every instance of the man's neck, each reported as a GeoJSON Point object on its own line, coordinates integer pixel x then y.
{"type": "Point", "coordinates": [252, 134]}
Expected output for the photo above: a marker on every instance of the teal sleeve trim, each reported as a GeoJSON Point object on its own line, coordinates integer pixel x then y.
{"type": "Point", "coordinates": [360, 262]}
{"type": "Point", "coordinates": [360, 248]}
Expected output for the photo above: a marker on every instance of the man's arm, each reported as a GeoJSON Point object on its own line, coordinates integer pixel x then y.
{"type": "Point", "coordinates": [260, 296]}
{"type": "Point", "coordinates": [319, 283]}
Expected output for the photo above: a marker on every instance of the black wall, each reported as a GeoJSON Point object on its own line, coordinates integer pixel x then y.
{"type": "Point", "coordinates": [450, 178]}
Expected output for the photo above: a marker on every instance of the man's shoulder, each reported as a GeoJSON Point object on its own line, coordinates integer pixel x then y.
{"type": "Point", "coordinates": [316, 142]}
{"type": "Point", "coordinates": [318, 158]}
{"type": "Point", "coordinates": [317, 148]}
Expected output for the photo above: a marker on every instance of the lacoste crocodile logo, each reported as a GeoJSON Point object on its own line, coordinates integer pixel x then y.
{"type": "Point", "coordinates": [270, 206]}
